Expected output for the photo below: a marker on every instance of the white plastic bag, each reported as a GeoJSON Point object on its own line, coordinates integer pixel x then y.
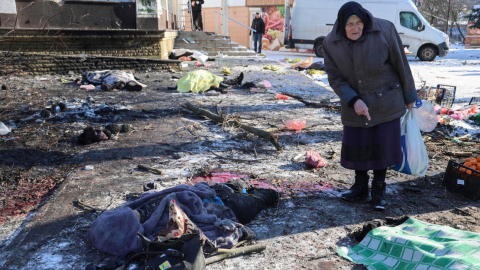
{"type": "Point", "coordinates": [4, 130]}
{"type": "Point", "coordinates": [426, 116]}
{"type": "Point", "coordinates": [415, 157]}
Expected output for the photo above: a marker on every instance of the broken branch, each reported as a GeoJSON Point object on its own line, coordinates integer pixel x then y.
{"type": "Point", "coordinates": [308, 103]}
{"type": "Point", "coordinates": [142, 167]}
{"type": "Point", "coordinates": [459, 154]}
{"type": "Point", "coordinates": [236, 159]}
{"type": "Point", "coordinates": [234, 252]}
{"type": "Point", "coordinates": [217, 118]}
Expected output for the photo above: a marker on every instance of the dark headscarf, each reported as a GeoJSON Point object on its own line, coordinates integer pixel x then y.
{"type": "Point", "coordinates": [347, 10]}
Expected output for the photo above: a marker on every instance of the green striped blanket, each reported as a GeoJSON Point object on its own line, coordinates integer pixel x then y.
{"type": "Point", "coordinates": [416, 245]}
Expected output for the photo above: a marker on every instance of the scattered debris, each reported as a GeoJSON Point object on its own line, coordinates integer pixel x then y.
{"type": "Point", "coordinates": [272, 68]}
{"type": "Point", "coordinates": [306, 63]}
{"type": "Point", "coordinates": [296, 125]}
{"type": "Point", "coordinates": [4, 130]}
{"type": "Point", "coordinates": [119, 128]}
{"type": "Point", "coordinates": [234, 252]}
{"type": "Point", "coordinates": [261, 133]}
{"type": "Point", "coordinates": [313, 159]}
{"type": "Point", "coordinates": [92, 135]}
{"type": "Point", "coordinates": [88, 87]}
{"type": "Point", "coordinates": [323, 104]}
{"type": "Point", "coordinates": [146, 168]}
{"type": "Point", "coordinates": [226, 71]}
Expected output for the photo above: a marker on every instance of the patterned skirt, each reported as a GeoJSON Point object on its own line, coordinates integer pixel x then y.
{"type": "Point", "coordinates": [374, 148]}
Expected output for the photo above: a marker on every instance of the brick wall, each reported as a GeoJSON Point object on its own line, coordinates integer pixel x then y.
{"type": "Point", "coordinates": [29, 63]}
{"type": "Point", "coordinates": [123, 43]}
{"type": "Point", "coordinates": [213, 21]}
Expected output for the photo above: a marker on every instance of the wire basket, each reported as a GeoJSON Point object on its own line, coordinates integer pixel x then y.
{"type": "Point", "coordinates": [442, 95]}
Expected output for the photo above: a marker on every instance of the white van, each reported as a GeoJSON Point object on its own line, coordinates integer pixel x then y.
{"type": "Point", "coordinates": [312, 20]}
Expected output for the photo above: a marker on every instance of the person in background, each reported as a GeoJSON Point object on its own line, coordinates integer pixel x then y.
{"type": "Point", "coordinates": [197, 14]}
{"type": "Point", "coordinates": [259, 26]}
{"type": "Point", "coordinates": [368, 69]}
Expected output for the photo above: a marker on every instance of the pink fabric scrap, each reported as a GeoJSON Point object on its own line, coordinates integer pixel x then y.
{"type": "Point", "coordinates": [313, 159]}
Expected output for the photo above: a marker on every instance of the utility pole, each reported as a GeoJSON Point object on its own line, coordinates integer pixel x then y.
{"type": "Point", "coordinates": [225, 17]}
{"type": "Point", "coordinates": [286, 30]}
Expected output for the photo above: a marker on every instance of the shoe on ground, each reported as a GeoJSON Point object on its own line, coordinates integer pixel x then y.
{"type": "Point", "coordinates": [133, 86]}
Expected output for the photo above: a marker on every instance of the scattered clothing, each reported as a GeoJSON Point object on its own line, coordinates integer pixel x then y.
{"type": "Point", "coordinates": [114, 79]}
{"type": "Point", "coordinates": [119, 128]}
{"type": "Point", "coordinates": [313, 159]}
{"type": "Point", "coordinates": [115, 231]}
{"type": "Point", "coordinates": [416, 245]}
{"type": "Point", "coordinates": [198, 81]}
{"type": "Point", "coordinates": [193, 54]}
{"type": "Point", "coordinates": [214, 199]}
{"type": "Point", "coordinates": [91, 135]}
{"type": "Point", "coordinates": [245, 206]}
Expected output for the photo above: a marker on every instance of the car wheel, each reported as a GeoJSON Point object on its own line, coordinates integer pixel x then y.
{"type": "Point", "coordinates": [319, 49]}
{"type": "Point", "coordinates": [427, 53]}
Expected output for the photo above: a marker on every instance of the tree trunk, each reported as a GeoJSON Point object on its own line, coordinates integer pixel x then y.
{"type": "Point", "coordinates": [448, 16]}
{"type": "Point", "coordinates": [461, 33]}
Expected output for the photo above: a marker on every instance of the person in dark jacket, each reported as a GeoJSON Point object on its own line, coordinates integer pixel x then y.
{"type": "Point", "coordinates": [259, 25]}
{"type": "Point", "coordinates": [368, 69]}
{"type": "Point", "coordinates": [197, 14]}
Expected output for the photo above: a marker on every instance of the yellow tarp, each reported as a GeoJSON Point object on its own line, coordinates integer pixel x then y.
{"type": "Point", "coordinates": [198, 81]}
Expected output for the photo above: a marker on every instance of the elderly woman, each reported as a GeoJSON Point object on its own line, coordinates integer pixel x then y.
{"type": "Point", "coordinates": [368, 69]}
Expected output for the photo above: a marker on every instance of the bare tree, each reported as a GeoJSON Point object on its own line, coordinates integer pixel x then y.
{"type": "Point", "coordinates": [445, 14]}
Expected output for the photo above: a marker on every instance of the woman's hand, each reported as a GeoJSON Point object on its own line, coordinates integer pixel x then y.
{"type": "Point", "coordinates": [409, 106]}
{"type": "Point", "coordinates": [362, 109]}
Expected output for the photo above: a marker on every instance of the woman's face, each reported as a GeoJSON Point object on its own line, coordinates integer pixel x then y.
{"type": "Point", "coordinates": [354, 27]}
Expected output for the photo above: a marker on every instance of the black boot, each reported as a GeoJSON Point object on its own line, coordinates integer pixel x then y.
{"type": "Point", "coordinates": [133, 86]}
{"type": "Point", "coordinates": [379, 201]}
{"type": "Point", "coordinates": [240, 79]}
{"type": "Point", "coordinates": [236, 81]}
{"type": "Point", "coordinates": [358, 191]}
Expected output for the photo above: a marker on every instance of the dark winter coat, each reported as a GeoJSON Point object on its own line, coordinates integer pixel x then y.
{"type": "Point", "coordinates": [374, 69]}
{"type": "Point", "coordinates": [259, 25]}
{"type": "Point", "coordinates": [197, 7]}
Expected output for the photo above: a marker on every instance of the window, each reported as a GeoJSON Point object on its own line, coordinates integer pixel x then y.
{"type": "Point", "coordinates": [409, 20]}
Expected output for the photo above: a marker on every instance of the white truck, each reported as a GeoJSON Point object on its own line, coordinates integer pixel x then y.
{"type": "Point", "coordinates": [312, 20]}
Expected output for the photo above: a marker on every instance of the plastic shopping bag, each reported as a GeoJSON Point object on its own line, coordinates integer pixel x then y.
{"type": "Point", "coordinates": [426, 116]}
{"type": "Point", "coordinates": [415, 157]}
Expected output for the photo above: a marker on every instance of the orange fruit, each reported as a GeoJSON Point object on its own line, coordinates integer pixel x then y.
{"type": "Point", "coordinates": [467, 164]}
{"type": "Point", "coordinates": [473, 161]}
{"type": "Point", "coordinates": [467, 160]}
{"type": "Point", "coordinates": [469, 171]}
{"type": "Point", "coordinates": [462, 169]}
{"type": "Point", "coordinates": [478, 159]}
{"type": "Point", "coordinates": [473, 167]}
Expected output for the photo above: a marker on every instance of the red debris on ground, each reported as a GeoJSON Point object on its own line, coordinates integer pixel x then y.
{"type": "Point", "coordinates": [283, 186]}
{"type": "Point", "coordinates": [25, 197]}
{"type": "Point", "coordinates": [219, 177]}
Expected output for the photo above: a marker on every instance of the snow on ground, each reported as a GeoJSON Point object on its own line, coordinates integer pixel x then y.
{"type": "Point", "coordinates": [460, 68]}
